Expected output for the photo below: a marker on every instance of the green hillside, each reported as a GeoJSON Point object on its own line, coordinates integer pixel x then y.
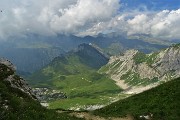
{"type": "Point", "coordinates": [17, 105]}
{"type": "Point", "coordinates": [163, 102]}
{"type": "Point", "coordinates": [75, 75]}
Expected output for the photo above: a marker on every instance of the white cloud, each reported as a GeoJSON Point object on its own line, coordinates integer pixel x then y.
{"type": "Point", "coordinates": [138, 24]}
{"type": "Point", "coordinates": [48, 17]}
{"type": "Point", "coordinates": [83, 17]}
{"type": "Point", "coordinates": [164, 24]}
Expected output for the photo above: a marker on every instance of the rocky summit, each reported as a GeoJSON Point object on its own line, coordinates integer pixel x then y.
{"type": "Point", "coordinates": [135, 71]}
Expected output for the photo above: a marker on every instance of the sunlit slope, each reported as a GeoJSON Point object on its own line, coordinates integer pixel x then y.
{"type": "Point", "coordinates": [162, 102]}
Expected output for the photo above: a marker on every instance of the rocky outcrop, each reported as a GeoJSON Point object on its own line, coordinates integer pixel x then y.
{"type": "Point", "coordinates": [135, 70]}
{"type": "Point", "coordinates": [7, 71]}
{"type": "Point", "coordinates": [7, 63]}
{"type": "Point", "coordinates": [168, 63]}
{"type": "Point", "coordinates": [46, 94]}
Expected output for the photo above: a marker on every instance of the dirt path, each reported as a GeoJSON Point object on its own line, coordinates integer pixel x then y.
{"type": "Point", "coordinates": [89, 116]}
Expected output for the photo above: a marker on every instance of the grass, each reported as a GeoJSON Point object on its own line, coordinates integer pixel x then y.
{"type": "Point", "coordinates": [86, 84]}
{"type": "Point", "coordinates": [76, 79]}
{"type": "Point", "coordinates": [147, 58]}
{"type": "Point", "coordinates": [84, 89]}
{"type": "Point", "coordinates": [83, 102]}
{"type": "Point", "coordinates": [17, 105]}
{"type": "Point", "coordinates": [163, 102]}
{"type": "Point", "coordinates": [133, 79]}
{"type": "Point", "coordinates": [78, 102]}
{"type": "Point", "coordinates": [110, 67]}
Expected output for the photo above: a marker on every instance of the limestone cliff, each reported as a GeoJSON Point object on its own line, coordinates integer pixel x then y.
{"type": "Point", "coordinates": [136, 71]}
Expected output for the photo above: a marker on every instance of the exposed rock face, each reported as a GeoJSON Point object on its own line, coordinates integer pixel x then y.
{"type": "Point", "coordinates": [46, 94]}
{"type": "Point", "coordinates": [146, 72]}
{"type": "Point", "coordinates": [168, 62]}
{"type": "Point", "coordinates": [7, 63]}
{"type": "Point", "coordinates": [7, 71]}
{"type": "Point", "coordinates": [19, 83]}
{"type": "Point", "coordinates": [137, 71]}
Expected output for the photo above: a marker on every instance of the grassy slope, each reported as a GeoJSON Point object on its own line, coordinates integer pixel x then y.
{"type": "Point", "coordinates": [20, 105]}
{"type": "Point", "coordinates": [163, 102]}
{"type": "Point", "coordinates": [81, 83]}
{"type": "Point", "coordinates": [133, 78]}
{"type": "Point", "coordinates": [147, 58]}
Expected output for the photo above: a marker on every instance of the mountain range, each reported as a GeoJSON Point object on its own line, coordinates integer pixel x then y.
{"type": "Point", "coordinates": [32, 52]}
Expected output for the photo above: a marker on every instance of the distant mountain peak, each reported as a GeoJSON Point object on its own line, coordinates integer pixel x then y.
{"type": "Point", "coordinates": [92, 47]}
{"type": "Point", "coordinates": [90, 55]}
{"type": "Point", "coordinates": [85, 55]}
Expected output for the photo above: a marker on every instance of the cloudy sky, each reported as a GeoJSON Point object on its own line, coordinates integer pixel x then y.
{"type": "Point", "coordinates": [159, 18]}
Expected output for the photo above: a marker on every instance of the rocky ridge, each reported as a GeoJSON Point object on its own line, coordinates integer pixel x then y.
{"type": "Point", "coordinates": [136, 72]}
{"type": "Point", "coordinates": [7, 71]}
